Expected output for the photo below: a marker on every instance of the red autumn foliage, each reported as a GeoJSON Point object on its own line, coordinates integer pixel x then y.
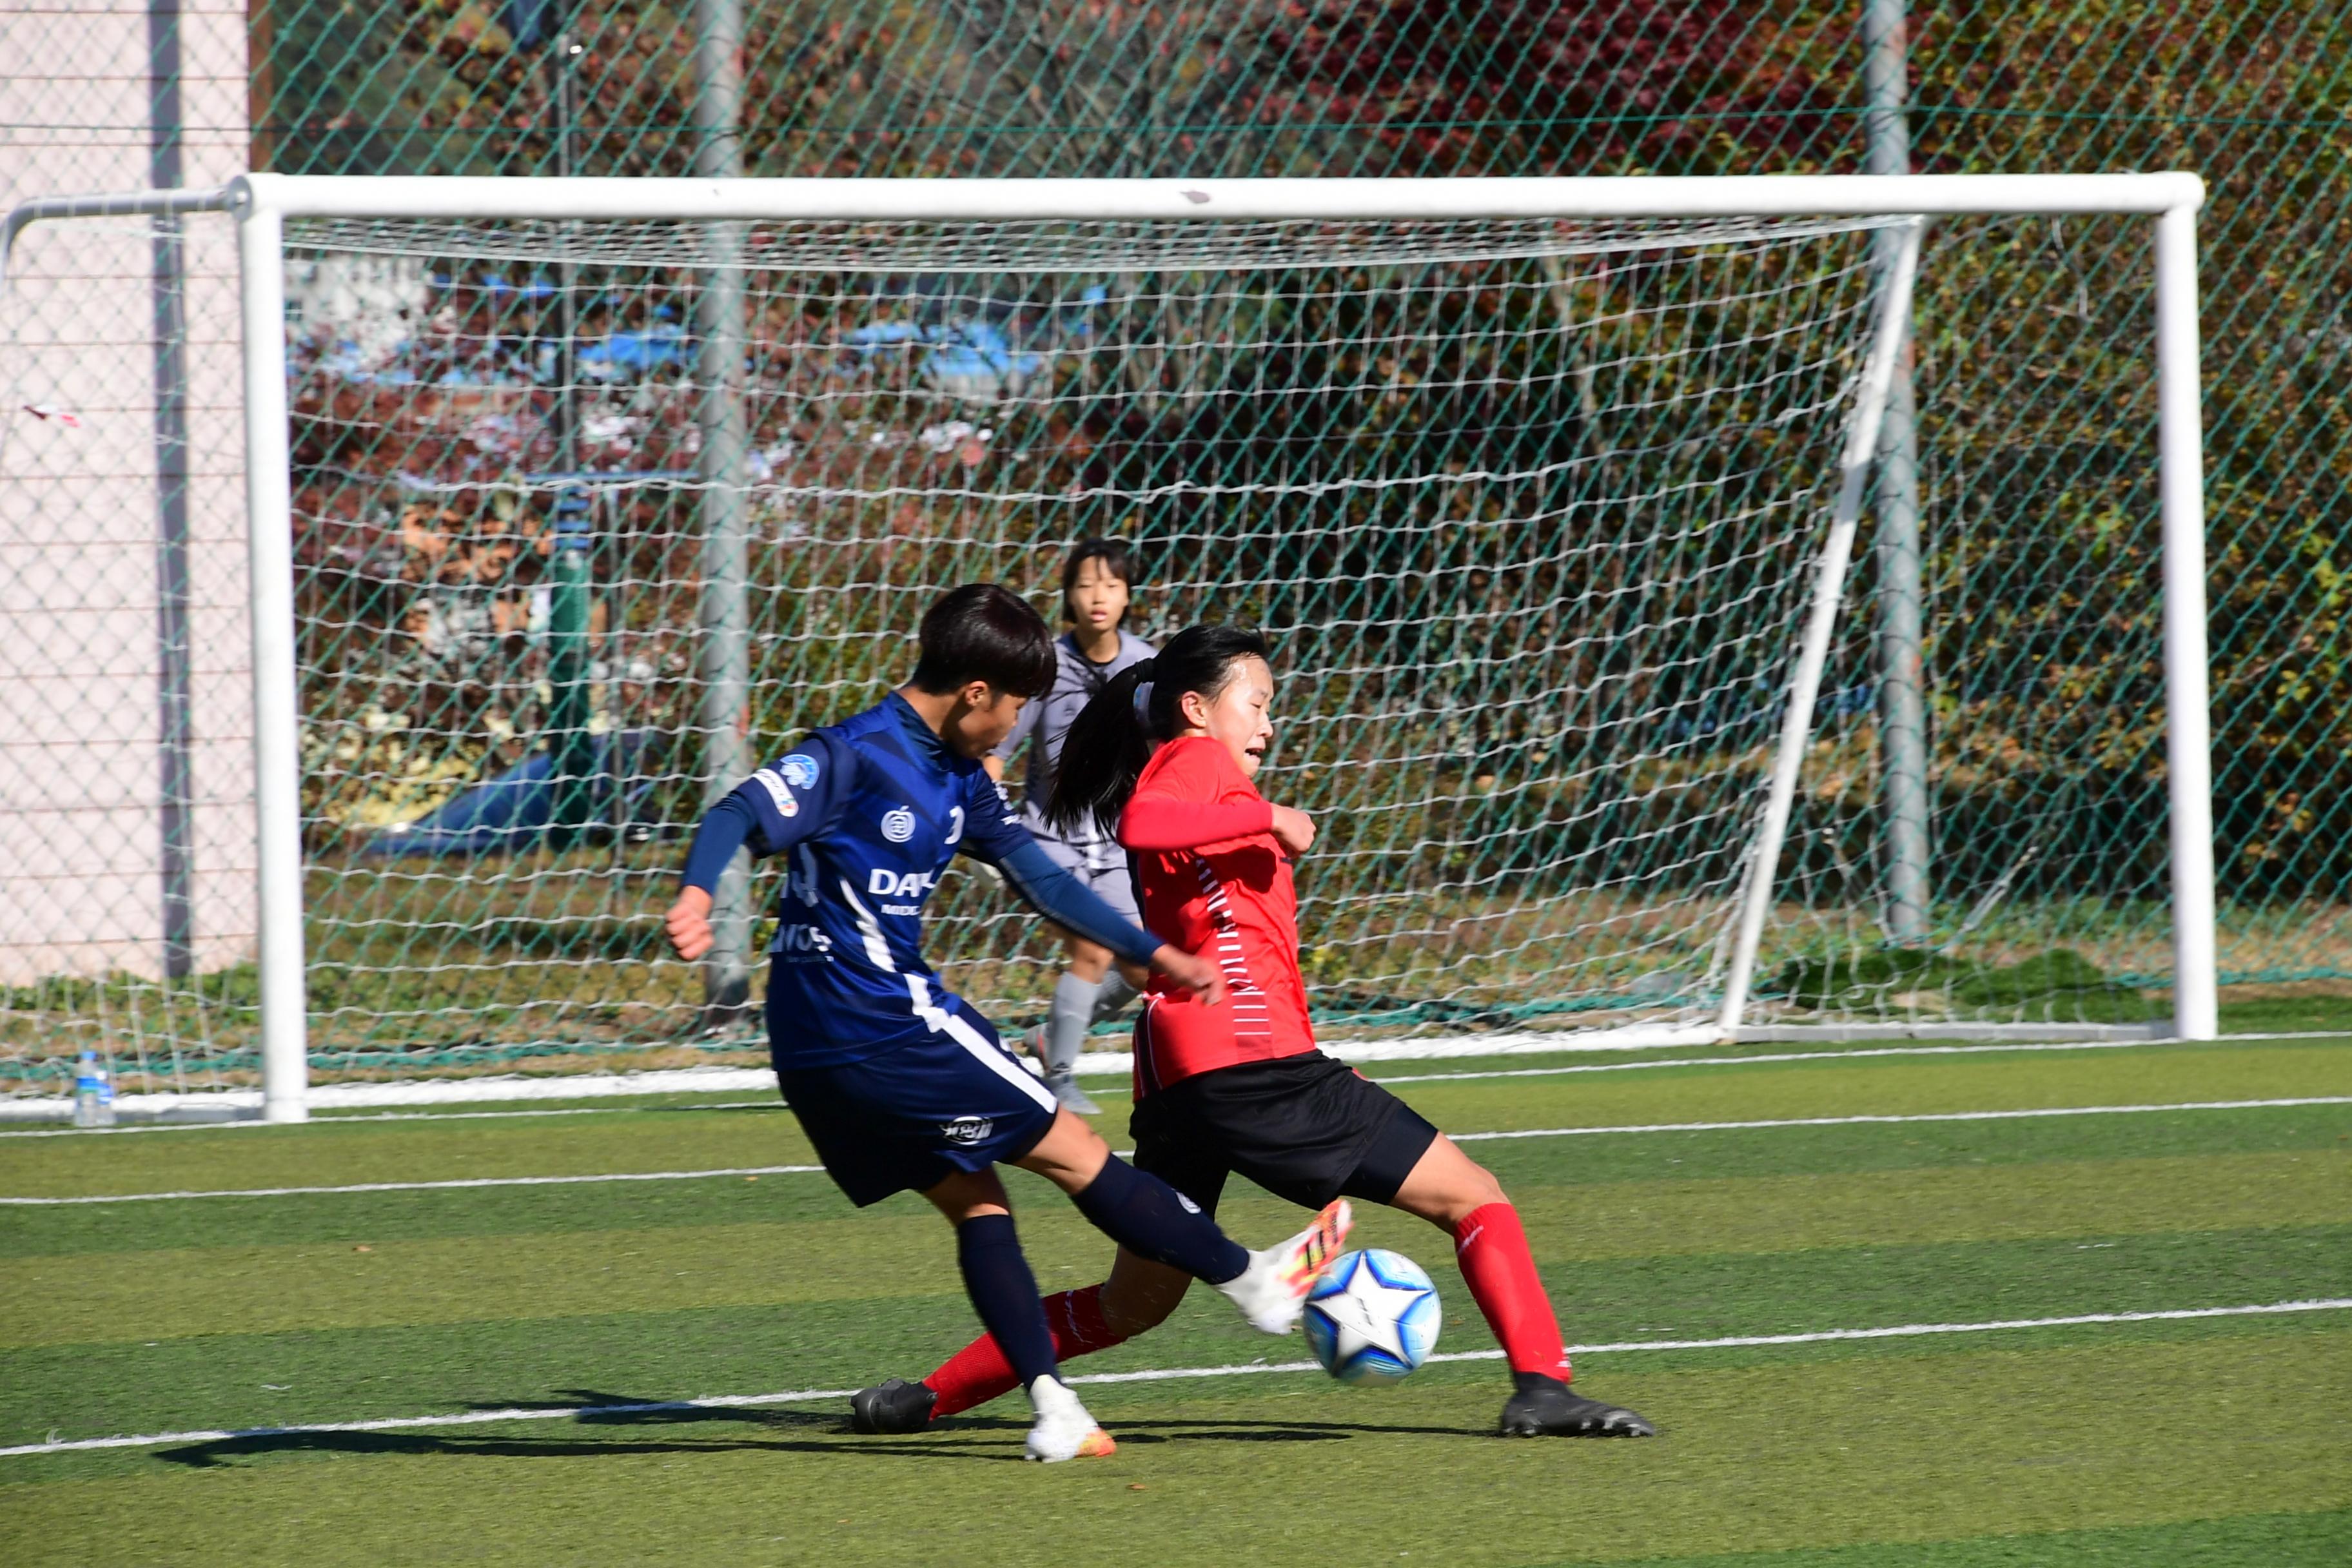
{"type": "Point", "coordinates": [1542, 87]}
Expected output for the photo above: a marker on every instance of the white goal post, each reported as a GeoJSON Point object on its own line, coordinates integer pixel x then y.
{"type": "Point", "coordinates": [263, 204]}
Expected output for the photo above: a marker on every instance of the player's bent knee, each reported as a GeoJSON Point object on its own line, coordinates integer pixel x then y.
{"type": "Point", "coordinates": [968, 1194]}
{"type": "Point", "coordinates": [1481, 1188]}
{"type": "Point", "coordinates": [1473, 1189]}
{"type": "Point", "coordinates": [1070, 1155]}
{"type": "Point", "coordinates": [1447, 1186]}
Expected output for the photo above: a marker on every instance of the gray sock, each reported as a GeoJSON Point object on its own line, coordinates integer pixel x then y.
{"type": "Point", "coordinates": [1113, 999]}
{"type": "Point", "coordinates": [1066, 1026]}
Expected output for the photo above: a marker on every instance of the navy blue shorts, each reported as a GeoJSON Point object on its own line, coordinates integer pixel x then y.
{"type": "Point", "coordinates": [952, 1099]}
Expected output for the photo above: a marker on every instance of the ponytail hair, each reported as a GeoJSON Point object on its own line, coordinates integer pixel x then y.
{"type": "Point", "coordinates": [1111, 740]}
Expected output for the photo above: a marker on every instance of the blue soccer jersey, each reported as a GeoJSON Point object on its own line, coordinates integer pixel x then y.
{"type": "Point", "coordinates": [866, 815]}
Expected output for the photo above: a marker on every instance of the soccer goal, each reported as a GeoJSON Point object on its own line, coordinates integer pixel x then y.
{"type": "Point", "coordinates": [508, 522]}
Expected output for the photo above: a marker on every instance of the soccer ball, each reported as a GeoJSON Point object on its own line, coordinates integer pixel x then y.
{"type": "Point", "coordinates": [1372, 1316]}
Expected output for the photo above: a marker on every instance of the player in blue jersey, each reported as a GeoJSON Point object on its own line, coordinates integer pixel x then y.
{"type": "Point", "coordinates": [898, 1084]}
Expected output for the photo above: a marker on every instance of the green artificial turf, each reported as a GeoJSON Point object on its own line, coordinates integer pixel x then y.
{"type": "Point", "coordinates": [2223, 1440]}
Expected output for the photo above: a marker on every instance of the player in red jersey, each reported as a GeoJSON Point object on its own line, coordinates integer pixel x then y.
{"type": "Point", "coordinates": [1168, 751]}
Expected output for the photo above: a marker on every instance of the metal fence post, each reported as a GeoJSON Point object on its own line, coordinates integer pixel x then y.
{"type": "Point", "coordinates": [172, 651]}
{"type": "Point", "coordinates": [572, 576]}
{"type": "Point", "coordinates": [726, 623]}
{"type": "Point", "coordinates": [1902, 707]}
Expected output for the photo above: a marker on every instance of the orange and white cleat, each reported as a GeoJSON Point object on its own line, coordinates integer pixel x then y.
{"type": "Point", "coordinates": [1272, 1290]}
{"type": "Point", "coordinates": [1064, 1429]}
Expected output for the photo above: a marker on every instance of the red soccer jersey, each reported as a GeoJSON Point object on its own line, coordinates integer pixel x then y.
{"type": "Point", "coordinates": [1214, 881]}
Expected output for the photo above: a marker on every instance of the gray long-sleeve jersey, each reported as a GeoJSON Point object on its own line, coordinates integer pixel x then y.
{"type": "Point", "coordinates": [1047, 720]}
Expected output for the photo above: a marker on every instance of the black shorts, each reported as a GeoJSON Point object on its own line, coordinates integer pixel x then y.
{"type": "Point", "coordinates": [1306, 1128]}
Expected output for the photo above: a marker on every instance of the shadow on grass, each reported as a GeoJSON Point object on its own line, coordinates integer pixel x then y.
{"type": "Point", "coordinates": [1150, 1431]}
{"type": "Point", "coordinates": [823, 1435]}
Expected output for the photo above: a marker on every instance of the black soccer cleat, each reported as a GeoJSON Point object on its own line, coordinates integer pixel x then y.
{"type": "Point", "coordinates": [891, 1406]}
{"type": "Point", "coordinates": [1547, 1407]}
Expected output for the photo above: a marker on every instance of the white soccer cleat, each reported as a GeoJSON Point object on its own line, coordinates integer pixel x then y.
{"type": "Point", "coordinates": [1064, 1429]}
{"type": "Point", "coordinates": [1272, 1291]}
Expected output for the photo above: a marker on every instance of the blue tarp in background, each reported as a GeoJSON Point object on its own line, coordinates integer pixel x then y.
{"type": "Point", "coordinates": [515, 810]}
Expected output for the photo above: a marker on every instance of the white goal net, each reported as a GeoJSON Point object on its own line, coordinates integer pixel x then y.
{"type": "Point", "coordinates": [588, 517]}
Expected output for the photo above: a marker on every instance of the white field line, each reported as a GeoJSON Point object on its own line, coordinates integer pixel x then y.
{"type": "Point", "coordinates": [233, 1105]}
{"type": "Point", "coordinates": [235, 1102]}
{"type": "Point", "coordinates": [1767, 1059]}
{"type": "Point", "coordinates": [229, 1104]}
{"type": "Point", "coordinates": [225, 1124]}
{"type": "Point", "coordinates": [714, 1081]}
{"type": "Point", "coordinates": [1923, 1116]}
{"type": "Point", "coordinates": [427, 1186]}
{"type": "Point", "coordinates": [1165, 1374]}
{"type": "Point", "coordinates": [1457, 1137]}
{"type": "Point", "coordinates": [1776, 1056]}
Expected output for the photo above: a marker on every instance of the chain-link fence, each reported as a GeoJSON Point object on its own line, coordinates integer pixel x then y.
{"type": "Point", "coordinates": [2043, 794]}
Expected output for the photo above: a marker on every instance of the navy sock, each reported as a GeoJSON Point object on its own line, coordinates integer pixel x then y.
{"type": "Point", "coordinates": [1150, 1219]}
{"type": "Point", "coordinates": [996, 1276]}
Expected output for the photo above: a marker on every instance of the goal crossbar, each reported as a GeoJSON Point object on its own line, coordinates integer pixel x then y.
{"type": "Point", "coordinates": [1228, 201]}
{"type": "Point", "coordinates": [262, 203]}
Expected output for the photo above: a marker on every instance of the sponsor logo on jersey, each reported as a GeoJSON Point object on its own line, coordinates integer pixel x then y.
{"type": "Point", "coordinates": [770, 780]}
{"type": "Point", "coordinates": [801, 939]}
{"type": "Point", "coordinates": [965, 1131]}
{"type": "Point", "coordinates": [799, 770]}
{"type": "Point", "coordinates": [885, 883]}
{"type": "Point", "coordinates": [899, 824]}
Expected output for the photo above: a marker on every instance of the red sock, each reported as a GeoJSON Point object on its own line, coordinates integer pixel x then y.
{"type": "Point", "coordinates": [1501, 1274]}
{"type": "Point", "coordinates": [979, 1372]}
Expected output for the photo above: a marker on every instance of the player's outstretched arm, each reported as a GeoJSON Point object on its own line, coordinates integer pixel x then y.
{"type": "Point", "coordinates": [792, 799]}
{"type": "Point", "coordinates": [731, 823]}
{"type": "Point", "coordinates": [1072, 905]}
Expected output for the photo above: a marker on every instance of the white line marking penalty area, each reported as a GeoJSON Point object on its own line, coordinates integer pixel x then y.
{"type": "Point", "coordinates": [1253, 1369]}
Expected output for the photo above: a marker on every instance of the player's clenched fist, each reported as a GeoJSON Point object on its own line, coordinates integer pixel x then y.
{"type": "Point", "coordinates": [1294, 829]}
{"type": "Point", "coordinates": [689, 924]}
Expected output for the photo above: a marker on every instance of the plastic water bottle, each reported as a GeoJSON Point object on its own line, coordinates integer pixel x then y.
{"type": "Point", "coordinates": [94, 1093]}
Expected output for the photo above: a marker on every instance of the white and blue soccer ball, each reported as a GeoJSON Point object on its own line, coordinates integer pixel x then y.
{"type": "Point", "coordinates": [1372, 1316]}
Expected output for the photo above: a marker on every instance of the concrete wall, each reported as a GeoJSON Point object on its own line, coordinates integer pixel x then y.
{"type": "Point", "coordinates": [84, 765]}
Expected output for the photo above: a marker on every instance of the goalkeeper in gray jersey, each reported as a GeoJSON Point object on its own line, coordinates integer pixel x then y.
{"type": "Point", "coordinates": [1096, 581]}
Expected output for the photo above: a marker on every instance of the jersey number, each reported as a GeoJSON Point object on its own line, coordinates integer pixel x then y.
{"type": "Point", "coordinates": [955, 825]}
